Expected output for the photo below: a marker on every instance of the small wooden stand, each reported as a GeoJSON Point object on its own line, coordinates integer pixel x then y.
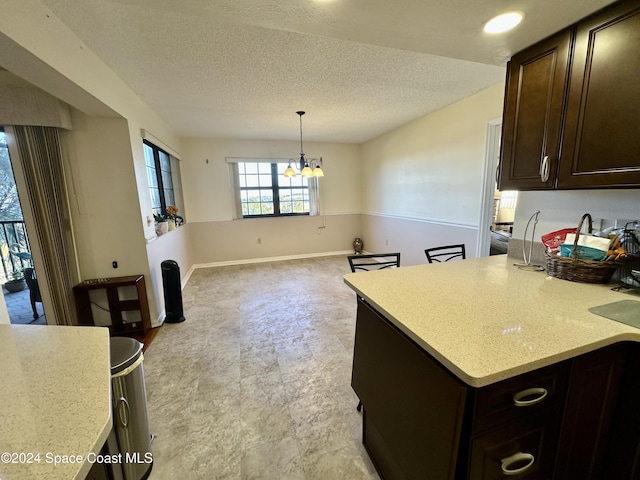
{"type": "Point", "coordinates": [116, 306]}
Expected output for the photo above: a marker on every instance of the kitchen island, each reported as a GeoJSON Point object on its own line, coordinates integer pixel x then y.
{"type": "Point", "coordinates": [55, 393]}
{"type": "Point", "coordinates": [466, 368]}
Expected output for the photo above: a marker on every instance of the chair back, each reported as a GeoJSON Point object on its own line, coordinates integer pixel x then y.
{"type": "Point", "coordinates": [445, 253]}
{"type": "Point", "coordinates": [32, 283]}
{"type": "Point", "coordinates": [374, 261]}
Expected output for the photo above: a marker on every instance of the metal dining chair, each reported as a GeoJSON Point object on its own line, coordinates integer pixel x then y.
{"type": "Point", "coordinates": [34, 289]}
{"type": "Point", "coordinates": [445, 253]}
{"type": "Point", "coordinates": [374, 261]}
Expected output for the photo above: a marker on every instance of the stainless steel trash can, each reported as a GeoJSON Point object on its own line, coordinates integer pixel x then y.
{"type": "Point", "coordinates": [130, 418]}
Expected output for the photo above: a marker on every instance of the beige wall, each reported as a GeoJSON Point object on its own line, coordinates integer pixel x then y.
{"type": "Point", "coordinates": [424, 180]}
{"type": "Point", "coordinates": [216, 238]}
{"type": "Point", "coordinates": [103, 197]}
{"type": "Point", "coordinates": [207, 192]}
{"type": "Point", "coordinates": [24, 104]}
{"type": "Point", "coordinates": [280, 238]}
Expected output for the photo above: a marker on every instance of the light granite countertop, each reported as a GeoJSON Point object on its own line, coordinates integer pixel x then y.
{"type": "Point", "coordinates": [55, 398]}
{"type": "Point", "coordinates": [486, 320]}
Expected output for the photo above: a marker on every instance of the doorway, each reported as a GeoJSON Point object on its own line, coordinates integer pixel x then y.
{"type": "Point", "coordinates": [498, 208]}
{"type": "Point", "coordinates": [21, 293]}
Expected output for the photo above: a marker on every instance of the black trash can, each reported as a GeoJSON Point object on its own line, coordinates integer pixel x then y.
{"type": "Point", "coordinates": [172, 292]}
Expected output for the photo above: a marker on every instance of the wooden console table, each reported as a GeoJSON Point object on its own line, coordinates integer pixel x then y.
{"type": "Point", "coordinates": [116, 306]}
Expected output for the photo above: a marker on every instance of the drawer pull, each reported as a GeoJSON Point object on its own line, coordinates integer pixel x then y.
{"type": "Point", "coordinates": [522, 399]}
{"type": "Point", "coordinates": [517, 463]}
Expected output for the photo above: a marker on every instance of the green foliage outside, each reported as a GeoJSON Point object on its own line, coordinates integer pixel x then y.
{"type": "Point", "coordinates": [255, 205]}
{"type": "Point", "coordinates": [12, 235]}
{"type": "Point", "coordinates": [9, 202]}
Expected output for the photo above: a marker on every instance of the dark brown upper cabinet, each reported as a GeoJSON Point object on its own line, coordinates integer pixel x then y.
{"type": "Point", "coordinates": [572, 107]}
{"type": "Point", "coordinates": [532, 118]}
{"type": "Point", "coordinates": [601, 145]}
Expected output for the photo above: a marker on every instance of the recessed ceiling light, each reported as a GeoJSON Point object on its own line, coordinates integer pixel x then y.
{"type": "Point", "coordinates": [503, 22]}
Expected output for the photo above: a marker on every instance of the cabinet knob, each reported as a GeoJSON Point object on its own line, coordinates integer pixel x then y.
{"type": "Point", "coordinates": [529, 397]}
{"type": "Point", "coordinates": [544, 168]}
{"type": "Point", "coordinates": [517, 463]}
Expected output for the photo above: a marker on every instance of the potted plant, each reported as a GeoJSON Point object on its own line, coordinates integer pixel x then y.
{"type": "Point", "coordinates": [169, 220]}
{"type": "Point", "coordinates": [162, 224]}
{"type": "Point", "coordinates": [175, 220]}
{"type": "Point", "coordinates": [16, 282]}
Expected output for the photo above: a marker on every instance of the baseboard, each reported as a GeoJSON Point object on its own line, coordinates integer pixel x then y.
{"type": "Point", "coordinates": [187, 276]}
{"type": "Point", "coordinates": [158, 322]}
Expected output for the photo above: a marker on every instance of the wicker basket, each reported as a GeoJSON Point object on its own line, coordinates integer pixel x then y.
{"type": "Point", "coordinates": [577, 270]}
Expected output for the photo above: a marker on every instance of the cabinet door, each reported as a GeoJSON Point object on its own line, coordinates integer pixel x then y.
{"type": "Point", "coordinates": [594, 389]}
{"type": "Point", "coordinates": [413, 407]}
{"type": "Point", "coordinates": [532, 118]}
{"type": "Point", "coordinates": [623, 451]}
{"type": "Point", "coordinates": [601, 146]}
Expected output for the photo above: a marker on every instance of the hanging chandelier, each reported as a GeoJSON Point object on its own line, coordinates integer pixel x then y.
{"type": "Point", "coordinates": [306, 167]}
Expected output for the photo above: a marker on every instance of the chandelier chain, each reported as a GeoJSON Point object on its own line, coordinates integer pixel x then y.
{"type": "Point", "coordinates": [300, 113]}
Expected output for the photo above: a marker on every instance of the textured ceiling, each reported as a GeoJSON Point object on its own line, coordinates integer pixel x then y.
{"type": "Point", "coordinates": [359, 68]}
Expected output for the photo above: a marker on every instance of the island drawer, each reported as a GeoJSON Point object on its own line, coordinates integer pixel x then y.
{"type": "Point", "coordinates": [525, 448]}
{"type": "Point", "coordinates": [520, 396]}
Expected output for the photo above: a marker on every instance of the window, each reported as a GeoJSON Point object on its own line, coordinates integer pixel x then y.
{"type": "Point", "coordinates": [10, 209]}
{"type": "Point", "coordinates": [159, 175]}
{"type": "Point", "coordinates": [265, 191]}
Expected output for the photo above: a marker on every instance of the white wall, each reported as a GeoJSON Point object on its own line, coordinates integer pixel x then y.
{"type": "Point", "coordinates": [427, 177]}
{"type": "Point", "coordinates": [215, 237]}
{"type": "Point", "coordinates": [564, 208]}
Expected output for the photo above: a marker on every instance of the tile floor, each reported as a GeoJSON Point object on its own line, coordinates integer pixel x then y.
{"type": "Point", "coordinates": [255, 384]}
{"type": "Point", "coordinates": [19, 308]}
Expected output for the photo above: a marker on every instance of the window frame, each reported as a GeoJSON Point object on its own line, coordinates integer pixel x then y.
{"type": "Point", "coordinates": [276, 188]}
{"type": "Point", "coordinates": [160, 181]}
